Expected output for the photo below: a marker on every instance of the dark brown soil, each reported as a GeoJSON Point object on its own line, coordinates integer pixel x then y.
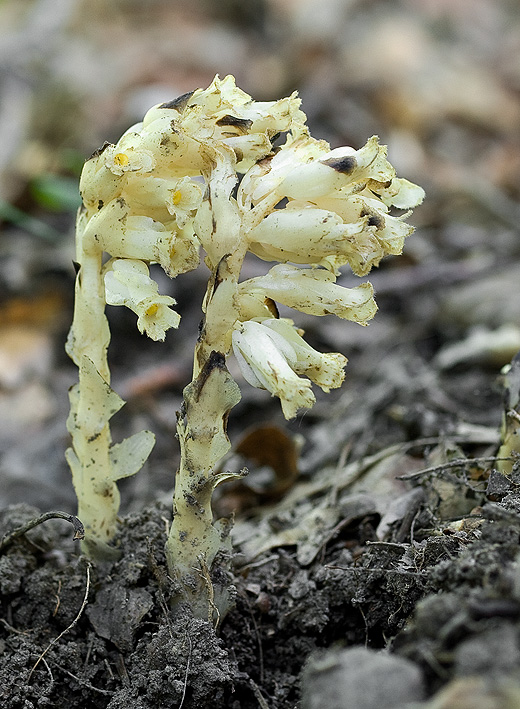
{"type": "Point", "coordinates": [426, 570]}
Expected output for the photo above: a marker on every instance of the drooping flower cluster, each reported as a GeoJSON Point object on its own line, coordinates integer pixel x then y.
{"type": "Point", "coordinates": [336, 211]}
{"type": "Point", "coordinates": [167, 188]}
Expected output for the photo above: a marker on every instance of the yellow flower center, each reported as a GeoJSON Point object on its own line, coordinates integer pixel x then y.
{"type": "Point", "coordinates": [152, 309]}
{"type": "Point", "coordinates": [176, 197]}
{"type": "Point", "coordinates": [121, 159]}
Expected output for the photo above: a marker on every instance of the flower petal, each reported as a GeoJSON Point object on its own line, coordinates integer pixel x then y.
{"type": "Point", "coordinates": [127, 283]}
{"type": "Point", "coordinates": [265, 359]}
{"type": "Point", "coordinates": [325, 370]}
{"type": "Point", "coordinates": [314, 291]}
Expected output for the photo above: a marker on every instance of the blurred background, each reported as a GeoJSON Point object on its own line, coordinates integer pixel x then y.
{"type": "Point", "coordinates": [437, 80]}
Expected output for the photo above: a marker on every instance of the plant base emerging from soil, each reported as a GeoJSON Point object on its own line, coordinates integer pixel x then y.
{"type": "Point", "coordinates": [170, 187]}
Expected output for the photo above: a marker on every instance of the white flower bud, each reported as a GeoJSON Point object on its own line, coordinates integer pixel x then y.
{"type": "Point", "coordinates": [266, 360]}
{"type": "Point", "coordinates": [325, 370]}
{"type": "Point", "coordinates": [401, 193]}
{"type": "Point", "coordinates": [98, 185]}
{"type": "Point", "coordinates": [128, 283]}
{"type": "Point", "coordinates": [314, 291]}
{"type": "Point", "coordinates": [309, 235]}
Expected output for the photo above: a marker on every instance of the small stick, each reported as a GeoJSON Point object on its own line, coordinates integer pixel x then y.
{"type": "Point", "coordinates": [8, 539]}
{"type": "Point", "coordinates": [458, 462]}
{"type": "Point", "coordinates": [186, 673]}
{"type": "Point", "coordinates": [256, 691]}
{"type": "Point", "coordinates": [69, 627]}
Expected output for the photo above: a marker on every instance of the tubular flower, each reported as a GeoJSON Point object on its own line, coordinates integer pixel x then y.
{"type": "Point", "coordinates": [128, 283]}
{"type": "Point", "coordinates": [325, 370]}
{"type": "Point", "coordinates": [120, 233]}
{"type": "Point", "coordinates": [337, 205]}
{"type": "Point", "coordinates": [267, 360]}
{"type": "Point", "coordinates": [306, 168]}
{"type": "Point", "coordinates": [162, 198]}
{"type": "Point", "coordinates": [308, 235]}
{"type": "Point", "coordinates": [98, 185]}
{"type": "Point", "coordinates": [379, 233]}
{"type": "Point", "coordinates": [314, 291]}
{"type": "Point", "coordinates": [183, 200]}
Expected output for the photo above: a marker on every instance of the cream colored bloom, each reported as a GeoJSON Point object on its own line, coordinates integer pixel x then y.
{"type": "Point", "coordinates": [387, 233]}
{"type": "Point", "coordinates": [400, 193]}
{"type": "Point", "coordinates": [267, 177]}
{"type": "Point", "coordinates": [308, 235]}
{"type": "Point", "coordinates": [122, 234]}
{"type": "Point", "coordinates": [98, 185]}
{"type": "Point", "coordinates": [127, 282]}
{"type": "Point", "coordinates": [234, 112]}
{"type": "Point", "coordinates": [305, 169]}
{"type": "Point", "coordinates": [128, 155]}
{"type": "Point", "coordinates": [325, 370]}
{"type": "Point", "coordinates": [183, 199]}
{"type": "Point", "coordinates": [314, 291]}
{"type": "Point", "coordinates": [266, 360]}
{"type": "Point", "coordinates": [220, 115]}
{"type": "Point", "coordinates": [164, 198]}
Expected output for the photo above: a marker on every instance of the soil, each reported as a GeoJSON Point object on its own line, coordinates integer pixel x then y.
{"type": "Point", "coordinates": [424, 569]}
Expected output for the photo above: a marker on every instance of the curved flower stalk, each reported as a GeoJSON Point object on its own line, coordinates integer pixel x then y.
{"type": "Point", "coordinates": [171, 186]}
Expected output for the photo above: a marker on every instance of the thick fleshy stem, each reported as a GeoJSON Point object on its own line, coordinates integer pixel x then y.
{"type": "Point", "coordinates": [95, 463]}
{"type": "Point", "coordinates": [194, 539]}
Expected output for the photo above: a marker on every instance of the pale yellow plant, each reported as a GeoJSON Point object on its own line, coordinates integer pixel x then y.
{"type": "Point", "coordinates": [202, 172]}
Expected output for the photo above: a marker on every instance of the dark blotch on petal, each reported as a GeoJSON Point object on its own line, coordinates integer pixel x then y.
{"type": "Point", "coordinates": [344, 165]}
{"type": "Point", "coordinates": [374, 219]}
{"type": "Point", "coordinates": [100, 150]}
{"type": "Point", "coordinates": [179, 103]}
{"type": "Point", "coordinates": [243, 124]}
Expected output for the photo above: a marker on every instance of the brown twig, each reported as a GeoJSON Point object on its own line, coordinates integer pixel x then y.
{"type": "Point", "coordinates": [9, 538]}
{"type": "Point", "coordinates": [69, 627]}
{"type": "Point", "coordinates": [458, 462]}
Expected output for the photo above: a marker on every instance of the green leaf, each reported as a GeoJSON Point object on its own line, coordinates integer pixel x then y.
{"type": "Point", "coordinates": [56, 193]}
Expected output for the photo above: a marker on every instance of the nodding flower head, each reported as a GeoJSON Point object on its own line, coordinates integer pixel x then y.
{"type": "Point", "coordinates": [170, 186]}
{"type": "Point", "coordinates": [272, 353]}
{"type": "Point", "coordinates": [314, 291]}
{"type": "Point", "coordinates": [337, 207]}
